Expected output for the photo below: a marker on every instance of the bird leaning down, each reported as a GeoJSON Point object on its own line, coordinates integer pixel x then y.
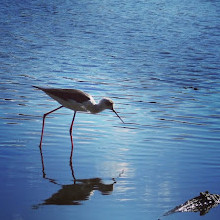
{"type": "Point", "coordinates": [75, 100]}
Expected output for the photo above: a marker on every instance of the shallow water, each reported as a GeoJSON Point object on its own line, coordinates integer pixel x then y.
{"type": "Point", "coordinates": [158, 61]}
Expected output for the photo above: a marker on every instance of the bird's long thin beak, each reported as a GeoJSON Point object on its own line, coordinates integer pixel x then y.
{"type": "Point", "coordinates": [117, 115]}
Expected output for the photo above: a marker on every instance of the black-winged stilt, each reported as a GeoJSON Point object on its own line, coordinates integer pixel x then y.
{"type": "Point", "coordinates": [75, 100]}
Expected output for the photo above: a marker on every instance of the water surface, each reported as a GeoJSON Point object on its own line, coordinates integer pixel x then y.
{"type": "Point", "coordinates": [158, 61]}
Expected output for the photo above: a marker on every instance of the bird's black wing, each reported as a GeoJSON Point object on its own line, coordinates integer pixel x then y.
{"type": "Point", "coordinates": [67, 94]}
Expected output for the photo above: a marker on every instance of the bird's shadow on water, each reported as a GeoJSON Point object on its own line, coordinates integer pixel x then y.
{"type": "Point", "coordinates": [77, 192]}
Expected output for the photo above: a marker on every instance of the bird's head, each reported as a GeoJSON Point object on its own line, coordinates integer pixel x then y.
{"type": "Point", "coordinates": [109, 104]}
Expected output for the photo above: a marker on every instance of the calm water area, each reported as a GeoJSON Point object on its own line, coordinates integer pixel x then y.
{"type": "Point", "coordinates": [158, 60]}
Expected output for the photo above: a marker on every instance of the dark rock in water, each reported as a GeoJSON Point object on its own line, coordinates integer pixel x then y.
{"type": "Point", "coordinates": [202, 203]}
{"type": "Point", "coordinates": [190, 87]}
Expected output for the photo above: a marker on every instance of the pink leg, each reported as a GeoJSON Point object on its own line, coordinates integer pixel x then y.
{"type": "Point", "coordinates": [42, 132]}
{"type": "Point", "coordinates": [71, 137]}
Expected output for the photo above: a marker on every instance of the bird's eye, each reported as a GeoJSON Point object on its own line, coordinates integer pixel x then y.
{"type": "Point", "coordinates": [108, 103]}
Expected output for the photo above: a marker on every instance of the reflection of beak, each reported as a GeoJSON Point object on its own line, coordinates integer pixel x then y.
{"type": "Point", "coordinates": [117, 115]}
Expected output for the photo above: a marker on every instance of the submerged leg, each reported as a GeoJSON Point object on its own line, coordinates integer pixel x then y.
{"type": "Point", "coordinates": [42, 162]}
{"type": "Point", "coordinates": [71, 138]}
{"type": "Point", "coordinates": [42, 132]}
{"type": "Point", "coordinates": [72, 171]}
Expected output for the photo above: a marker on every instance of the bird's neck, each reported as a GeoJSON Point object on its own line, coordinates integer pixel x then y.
{"type": "Point", "coordinates": [97, 108]}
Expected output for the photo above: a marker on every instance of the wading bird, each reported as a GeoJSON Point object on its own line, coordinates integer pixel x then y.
{"type": "Point", "coordinates": [75, 100]}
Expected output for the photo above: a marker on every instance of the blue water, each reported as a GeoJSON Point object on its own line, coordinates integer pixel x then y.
{"type": "Point", "coordinates": [158, 60]}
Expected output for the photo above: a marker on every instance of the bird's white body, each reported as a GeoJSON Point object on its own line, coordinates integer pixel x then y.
{"type": "Point", "coordinates": [77, 106]}
{"type": "Point", "coordinates": [78, 100]}
{"type": "Point", "coordinates": [75, 100]}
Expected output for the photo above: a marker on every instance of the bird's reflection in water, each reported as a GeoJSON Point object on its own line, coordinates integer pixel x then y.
{"type": "Point", "coordinates": [43, 168]}
{"type": "Point", "coordinates": [80, 190]}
